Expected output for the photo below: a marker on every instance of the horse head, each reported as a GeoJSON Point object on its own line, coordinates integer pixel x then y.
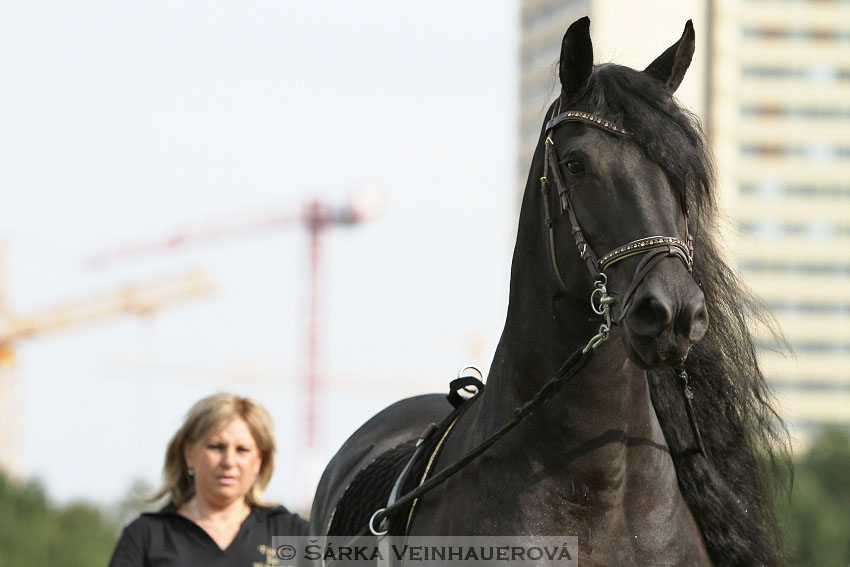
{"type": "Point", "coordinates": [615, 168]}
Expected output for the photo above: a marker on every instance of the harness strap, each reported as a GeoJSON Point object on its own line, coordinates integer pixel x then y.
{"type": "Point", "coordinates": [544, 188]}
{"type": "Point", "coordinates": [383, 537]}
{"type": "Point", "coordinates": [427, 470]}
{"type": "Point", "coordinates": [584, 250]}
{"type": "Point", "coordinates": [463, 383]}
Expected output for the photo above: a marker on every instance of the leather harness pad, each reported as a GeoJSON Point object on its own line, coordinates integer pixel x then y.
{"type": "Point", "coordinates": [370, 489]}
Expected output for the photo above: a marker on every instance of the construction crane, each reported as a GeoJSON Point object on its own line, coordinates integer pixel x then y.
{"type": "Point", "coordinates": [142, 298]}
{"type": "Point", "coordinates": [317, 217]}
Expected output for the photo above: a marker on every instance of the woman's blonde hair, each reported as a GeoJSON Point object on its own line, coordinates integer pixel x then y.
{"type": "Point", "coordinates": [201, 422]}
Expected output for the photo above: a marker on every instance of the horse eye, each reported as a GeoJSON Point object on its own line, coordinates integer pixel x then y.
{"type": "Point", "coordinates": [575, 166]}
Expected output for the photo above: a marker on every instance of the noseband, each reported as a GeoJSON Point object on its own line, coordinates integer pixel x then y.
{"type": "Point", "coordinates": [655, 248]}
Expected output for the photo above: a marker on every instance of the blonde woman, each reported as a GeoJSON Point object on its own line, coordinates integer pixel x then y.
{"type": "Point", "coordinates": [216, 467]}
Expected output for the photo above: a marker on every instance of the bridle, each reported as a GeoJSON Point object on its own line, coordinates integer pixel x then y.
{"type": "Point", "coordinates": [655, 248]}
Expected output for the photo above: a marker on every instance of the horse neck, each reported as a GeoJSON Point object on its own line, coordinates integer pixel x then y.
{"type": "Point", "coordinates": [544, 326]}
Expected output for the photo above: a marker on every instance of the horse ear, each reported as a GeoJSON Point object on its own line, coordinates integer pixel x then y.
{"type": "Point", "coordinates": [671, 65]}
{"type": "Point", "coordinates": [576, 57]}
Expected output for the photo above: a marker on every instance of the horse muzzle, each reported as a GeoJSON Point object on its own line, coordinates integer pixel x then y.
{"type": "Point", "coordinates": [666, 316]}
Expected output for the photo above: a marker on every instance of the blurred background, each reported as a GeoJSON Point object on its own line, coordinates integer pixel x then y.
{"type": "Point", "coordinates": [314, 205]}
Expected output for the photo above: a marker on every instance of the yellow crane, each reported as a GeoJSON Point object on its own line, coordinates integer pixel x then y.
{"type": "Point", "coordinates": [142, 298]}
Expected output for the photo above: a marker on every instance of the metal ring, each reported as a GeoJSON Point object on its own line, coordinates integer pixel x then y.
{"type": "Point", "coordinates": [372, 526]}
{"type": "Point", "coordinates": [599, 299]}
{"type": "Point", "coordinates": [601, 292]}
{"type": "Point", "coordinates": [460, 373]}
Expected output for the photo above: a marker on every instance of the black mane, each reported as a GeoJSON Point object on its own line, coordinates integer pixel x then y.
{"type": "Point", "coordinates": [730, 494]}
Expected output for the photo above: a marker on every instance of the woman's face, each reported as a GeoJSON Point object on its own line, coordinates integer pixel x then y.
{"type": "Point", "coordinates": [225, 463]}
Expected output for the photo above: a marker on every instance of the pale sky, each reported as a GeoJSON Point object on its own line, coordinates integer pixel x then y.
{"type": "Point", "coordinates": [122, 122]}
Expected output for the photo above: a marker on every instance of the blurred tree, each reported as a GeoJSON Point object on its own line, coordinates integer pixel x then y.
{"type": "Point", "coordinates": [135, 501]}
{"type": "Point", "coordinates": [33, 532]}
{"type": "Point", "coordinates": [816, 517]}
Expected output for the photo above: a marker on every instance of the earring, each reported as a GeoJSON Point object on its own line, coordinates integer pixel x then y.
{"type": "Point", "coordinates": [191, 472]}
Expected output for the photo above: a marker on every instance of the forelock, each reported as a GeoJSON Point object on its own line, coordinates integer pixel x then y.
{"type": "Point", "coordinates": [670, 135]}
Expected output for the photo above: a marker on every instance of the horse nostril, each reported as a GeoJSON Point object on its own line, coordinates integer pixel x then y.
{"type": "Point", "coordinates": [650, 317]}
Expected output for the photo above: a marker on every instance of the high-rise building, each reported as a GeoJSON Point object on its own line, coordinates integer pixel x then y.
{"type": "Point", "coordinates": [780, 127]}
{"type": "Point", "coordinates": [771, 82]}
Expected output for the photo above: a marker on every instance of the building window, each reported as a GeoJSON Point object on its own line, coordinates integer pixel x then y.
{"type": "Point", "coordinates": [796, 34]}
{"type": "Point", "coordinates": [816, 152]}
{"type": "Point", "coordinates": [822, 74]}
{"type": "Point", "coordinates": [810, 308]}
{"type": "Point", "coordinates": [810, 386]}
{"type": "Point", "coordinates": [812, 230]}
{"type": "Point", "coordinates": [771, 189]}
{"type": "Point", "coordinates": [799, 347]}
{"type": "Point", "coordinates": [777, 111]}
{"type": "Point", "coordinates": [807, 268]}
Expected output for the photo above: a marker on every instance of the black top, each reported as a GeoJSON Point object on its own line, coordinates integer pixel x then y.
{"type": "Point", "coordinates": [166, 538]}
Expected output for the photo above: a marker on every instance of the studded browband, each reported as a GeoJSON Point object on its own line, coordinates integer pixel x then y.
{"type": "Point", "coordinates": [576, 116]}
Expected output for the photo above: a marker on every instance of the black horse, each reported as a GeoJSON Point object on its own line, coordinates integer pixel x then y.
{"type": "Point", "coordinates": [616, 237]}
